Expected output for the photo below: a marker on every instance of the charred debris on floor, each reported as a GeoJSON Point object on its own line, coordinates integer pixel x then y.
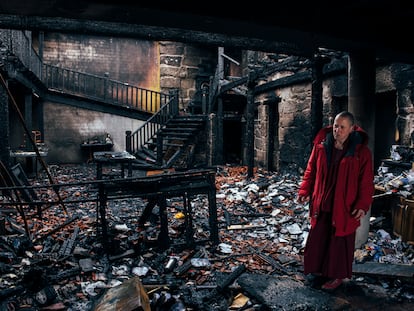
{"type": "Point", "coordinates": [179, 243]}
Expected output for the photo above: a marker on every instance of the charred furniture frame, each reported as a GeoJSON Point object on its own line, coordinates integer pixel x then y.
{"type": "Point", "coordinates": [111, 158]}
{"type": "Point", "coordinates": [157, 189]}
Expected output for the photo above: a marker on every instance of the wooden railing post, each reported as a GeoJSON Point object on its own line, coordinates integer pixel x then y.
{"type": "Point", "coordinates": [174, 102]}
{"type": "Point", "coordinates": [204, 93]}
{"type": "Point", "coordinates": [128, 141]}
{"type": "Point", "coordinates": [105, 88]}
{"type": "Point", "coordinates": [160, 153]}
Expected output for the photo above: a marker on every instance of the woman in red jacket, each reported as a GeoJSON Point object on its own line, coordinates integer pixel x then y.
{"type": "Point", "coordinates": [339, 184]}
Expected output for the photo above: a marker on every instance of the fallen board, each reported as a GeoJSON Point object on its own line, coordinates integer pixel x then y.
{"type": "Point", "coordinates": [382, 269]}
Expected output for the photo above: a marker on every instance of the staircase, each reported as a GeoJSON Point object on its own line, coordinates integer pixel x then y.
{"type": "Point", "coordinates": [177, 140]}
{"type": "Point", "coordinates": [166, 140]}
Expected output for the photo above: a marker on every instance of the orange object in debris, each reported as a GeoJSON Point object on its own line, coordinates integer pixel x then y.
{"type": "Point", "coordinates": [158, 172]}
{"type": "Point", "coordinates": [179, 215]}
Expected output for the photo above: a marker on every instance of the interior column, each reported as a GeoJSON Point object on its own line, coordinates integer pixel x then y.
{"type": "Point", "coordinates": [361, 102]}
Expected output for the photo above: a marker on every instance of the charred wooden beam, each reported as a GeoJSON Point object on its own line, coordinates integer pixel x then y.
{"type": "Point", "coordinates": [271, 261]}
{"type": "Point", "coordinates": [226, 283]}
{"type": "Point", "coordinates": [249, 136]}
{"type": "Point", "coordinates": [180, 270]}
{"type": "Point", "coordinates": [11, 291]}
{"type": "Point", "coordinates": [43, 23]}
{"type": "Point", "coordinates": [66, 223]}
{"type": "Point", "coordinates": [67, 246]}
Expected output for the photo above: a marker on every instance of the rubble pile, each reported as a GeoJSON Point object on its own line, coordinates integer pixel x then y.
{"type": "Point", "coordinates": [65, 265]}
{"type": "Point", "coordinates": [396, 174]}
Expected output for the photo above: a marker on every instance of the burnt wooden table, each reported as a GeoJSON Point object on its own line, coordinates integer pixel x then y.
{"type": "Point", "coordinates": [31, 159]}
{"type": "Point", "coordinates": [95, 147]}
{"type": "Point", "coordinates": [111, 158]}
{"type": "Point", "coordinates": [157, 189]}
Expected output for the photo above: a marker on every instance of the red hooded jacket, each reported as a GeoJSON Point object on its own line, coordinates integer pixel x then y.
{"type": "Point", "coordinates": [355, 182]}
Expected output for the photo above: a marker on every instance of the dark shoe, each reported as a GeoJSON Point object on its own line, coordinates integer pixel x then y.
{"type": "Point", "coordinates": [332, 285]}
{"type": "Point", "coordinates": [314, 281]}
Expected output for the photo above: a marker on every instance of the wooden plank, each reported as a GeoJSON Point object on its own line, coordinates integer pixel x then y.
{"type": "Point", "coordinates": [128, 296]}
{"type": "Point", "coordinates": [382, 269]}
{"type": "Point", "coordinates": [245, 226]}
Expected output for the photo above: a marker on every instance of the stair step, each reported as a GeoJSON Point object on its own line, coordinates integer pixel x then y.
{"type": "Point", "coordinates": [188, 118]}
{"type": "Point", "coordinates": [174, 145]}
{"type": "Point", "coordinates": [176, 134]}
{"type": "Point", "coordinates": [165, 134]}
{"type": "Point", "coordinates": [141, 163]}
{"type": "Point", "coordinates": [145, 157]}
{"type": "Point", "coordinates": [184, 124]}
{"type": "Point", "coordinates": [149, 152]}
{"type": "Point", "coordinates": [179, 138]}
{"type": "Point", "coordinates": [144, 166]}
{"type": "Point", "coordinates": [179, 129]}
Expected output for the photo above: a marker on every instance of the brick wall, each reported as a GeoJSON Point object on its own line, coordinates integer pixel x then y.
{"type": "Point", "coordinates": [127, 60]}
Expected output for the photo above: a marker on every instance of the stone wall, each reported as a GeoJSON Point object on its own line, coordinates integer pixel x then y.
{"type": "Point", "coordinates": [294, 111]}
{"type": "Point", "coordinates": [180, 66]}
{"type": "Point", "coordinates": [261, 135]}
{"type": "Point", "coordinates": [401, 78]}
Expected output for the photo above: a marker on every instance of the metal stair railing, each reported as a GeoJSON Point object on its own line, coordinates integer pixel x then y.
{"type": "Point", "coordinates": [100, 88]}
{"type": "Point", "coordinates": [147, 132]}
{"type": "Point", "coordinates": [163, 106]}
{"type": "Point", "coordinates": [103, 89]}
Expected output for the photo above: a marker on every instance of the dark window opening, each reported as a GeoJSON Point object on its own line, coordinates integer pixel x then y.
{"type": "Point", "coordinates": [232, 63]}
{"type": "Point", "coordinates": [385, 126]}
{"type": "Point", "coordinates": [232, 141]}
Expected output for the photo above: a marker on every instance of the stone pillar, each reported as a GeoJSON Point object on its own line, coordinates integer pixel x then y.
{"type": "Point", "coordinates": [361, 102]}
{"type": "Point", "coordinates": [249, 138]}
{"type": "Point", "coordinates": [317, 102]}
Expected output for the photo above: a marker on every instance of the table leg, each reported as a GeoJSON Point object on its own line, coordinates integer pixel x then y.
{"type": "Point", "coordinates": [98, 171]}
{"type": "Point", "coordinates": [90, 157]}
{"type": "Point", "coordinates": [129, 168]}
{"type": "Point", "coordinates": [102, 201]}
{"type": "Point", "coordinates": [122, 170]}
{"type": "Point", "coordinates": [163, 237]}
{"type": "Point", "coordinates": [147, 212]}
{"type": "Point", "coordinates": [212, 207]}
{"type": "Point", "coordinates": [188, 221]}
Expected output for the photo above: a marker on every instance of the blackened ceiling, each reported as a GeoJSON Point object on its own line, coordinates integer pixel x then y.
{"type": "Point", "coordinates": [290, 27]}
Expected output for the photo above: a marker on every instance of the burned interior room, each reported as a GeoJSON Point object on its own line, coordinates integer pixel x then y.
{"type": "Point", "coordinates": [150, 158]}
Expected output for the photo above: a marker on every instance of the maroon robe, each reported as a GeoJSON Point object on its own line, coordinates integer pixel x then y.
{"type": "Point", "coordinates": [325, 253]}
